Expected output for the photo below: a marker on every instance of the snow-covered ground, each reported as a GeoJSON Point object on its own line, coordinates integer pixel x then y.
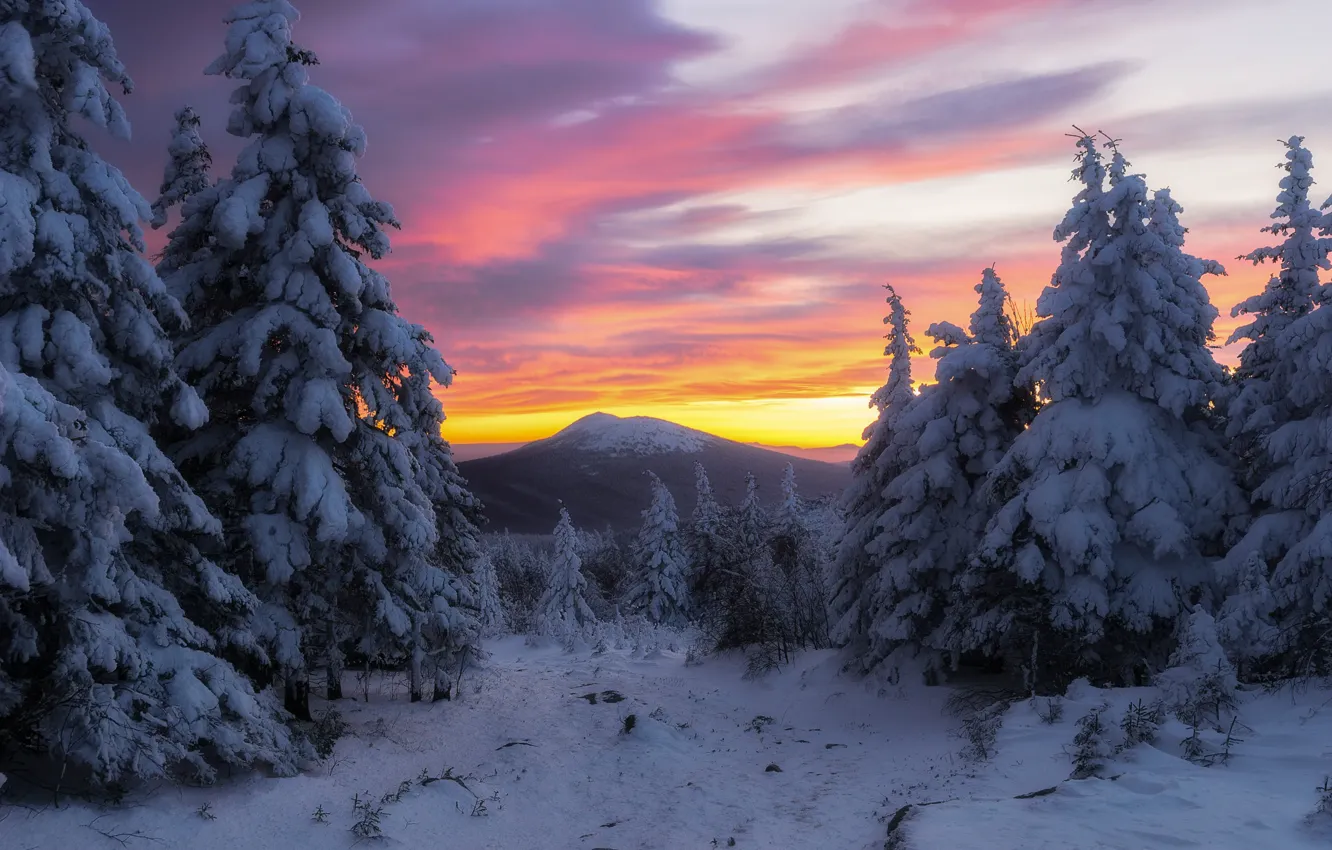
{"type": "Point", "coordinates": [1149, 797]}
{"type": "Point", "coordinates": [545, 766]}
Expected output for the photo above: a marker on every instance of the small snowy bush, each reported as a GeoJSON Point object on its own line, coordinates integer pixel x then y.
{"type": "Point", "coordinates": [1050, 710]}
{"type": "Point", "coordinates": [327, 730]}
{"type": "Point", "coordinates": [1323, 806]}
{"type": "Point", "coordinates": [980, 730]}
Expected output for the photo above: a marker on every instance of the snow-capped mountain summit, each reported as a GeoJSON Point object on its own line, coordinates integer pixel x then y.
{"type": "Point", "coordinates": [597, 468]}
{"type": "Point", "coordinates": [633, 435]}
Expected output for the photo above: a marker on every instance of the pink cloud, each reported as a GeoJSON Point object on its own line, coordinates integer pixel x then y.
{"type": "Point", "coordinates": [562, 263]}
{"type": "Point", "coordinates": [893, 32]}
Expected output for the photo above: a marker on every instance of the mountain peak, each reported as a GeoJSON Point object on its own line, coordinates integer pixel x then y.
{"type": "Point", "coordinates": [631, 435]}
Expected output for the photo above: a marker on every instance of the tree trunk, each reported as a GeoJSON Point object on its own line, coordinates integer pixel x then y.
{"type": "Point", "coordinates": [415, 685]}
{"type": "Point", "coordinates": [296, 695]}
{"type": "Point", "coordinates": [334, 684]}
{"type": "Point", "coordinates": [442, 691]}
{"type": "Point", "coordinates": [1035, 659]}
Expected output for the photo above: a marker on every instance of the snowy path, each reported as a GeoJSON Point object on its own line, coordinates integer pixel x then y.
{"type": "Point", "coordinates": [694, 771]}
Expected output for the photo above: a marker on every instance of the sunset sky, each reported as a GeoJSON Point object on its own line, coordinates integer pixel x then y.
{"type": "Point", "coordinates": [687, 208]}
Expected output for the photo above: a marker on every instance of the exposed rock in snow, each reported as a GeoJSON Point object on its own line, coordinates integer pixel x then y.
{"type": "Point", "coordinates": [634, 435]}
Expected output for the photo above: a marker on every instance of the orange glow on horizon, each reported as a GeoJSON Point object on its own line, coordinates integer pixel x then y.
{"type": "Point", "coordinates": [806, 423]}
{"type": "Point", "coordinates": [790, 390]}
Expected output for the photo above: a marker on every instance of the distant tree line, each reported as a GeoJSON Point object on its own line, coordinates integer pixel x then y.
{"type": "Point", "coordinates": [745, 577]}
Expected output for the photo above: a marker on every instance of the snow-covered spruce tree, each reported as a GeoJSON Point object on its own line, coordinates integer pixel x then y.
{"type": "Point", "coordinates": [709, 548]}
{"type": "Point", "coordinates": [340, 502]}
{"type": "Point", "coordinates": [564, 609]}
{"type": "Point", "coordinates": [522, 580]}
{"type": "Point", "coordinates": [490, 610]}
{"type": "Point", "coordinates": [438, 582]}
{"type": "Point", "coordinates": [759, 606]}
{"type": "Point", "coordinates": [1114, 498]}
{"type": "Point", "coordinates": [707, 516]}
{"type": "Point", "coordinates": [662, 590]}
{"type": "Point", "coordinates": [188, 163]}
{"type": "Point", "coordinates": [609, 570]}
{"type": "Point", "coordinates": [1245, 622]}
{"type": "Point", "coordinates": [1299, 492]}
{"type": "Point", "coordinates": [1265, 373]}
{"type": "Point", "coordinates": [1281, 415]}
{"type": "Point", "coordinates": [854, 571]}
{"type": "Point", "coordinates": [1199, 683]}
{"type": "Point", "coordinates": [788, 509]}
{"type": "Point", "coordinates": [728, 594]}
{"type": "Point", "coordinates": [799, 559]}
{"type": "Point", "coordinates": [110, 618]}
{"type": "Point", "coordinates": [954, 433]}
{"type": "Point", "coordinates": [752, 521]}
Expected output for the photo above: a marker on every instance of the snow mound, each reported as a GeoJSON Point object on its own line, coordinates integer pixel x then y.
{"type": "Point", "coordinates": [633, 435]}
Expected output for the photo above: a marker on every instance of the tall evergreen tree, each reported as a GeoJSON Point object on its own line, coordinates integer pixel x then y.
{"type": "Point", "coordinates": [1115, 496]}
{"type": "Point", "coordinates": [440, 580]}
{"type": "Point", "coordinates": [662, 589]}
{"type": "Point", "coordinates": [1280, 415]}
{"type": "Point", "coordinates": [954, 433]}
{"type": "Point", "coordinates": [490, 610]}
{"type": "Point", "coordinates": [799, 559]}
{"type": "Point", "coordinates": [341, 503]}
{"type": "Point", "coordinates": [187, 168]}
{"type": "Point", "coordinates": [751, 521]}
{"type": "Point", "coordinates": [1265, 374]}
{"type": "Point", "coordinates": [564, 608]}
{"type": "Point", "coordinates": [1245, 622]}
{"type": "Point", "coordinates": [707, 513]}
{"type": "Point", "coordinates": [1295, 493]}
{"type": "Point", "coordinates": [788, 509]}
{"type": "Point", "coordinates": [708, 547]}
{"type": "Point", "coordinates": [110, 618]}
{"type": "Point", "coordinates": [855, 569]}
